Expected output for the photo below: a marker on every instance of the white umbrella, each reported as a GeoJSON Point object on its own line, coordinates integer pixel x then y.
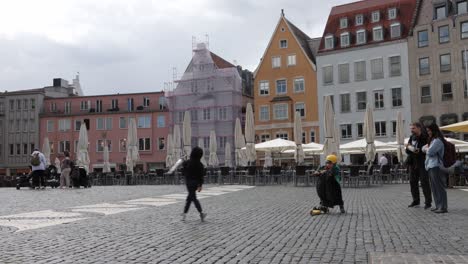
{"type": "Point", "coordinates": [369, 134]}
{"type": "Point", "coordinates": [82, 156]}
{"type": "Point", "coordinates": [106, 166]}
{"type": "Point", "coordinates": [337, 140]}
{"type": "Point", "coordinates": [268, 160]}
{"type": "Point", "coordinates": [169, 151]}
{"type": "Point", "coordinates": [187, 134]}
{"type": "Point", "coordinates": [200, 145]}
{"type": "Point", "coordinates": [250, 134]}
{"type": "Point", "coordinates": [46, 150]}
{"type": "Point", "coordinates": [361, 145]}
{"type": "Point", "coordinates": [400, 137]}
{"type": "Point", "coordinates": [132, 146]}
{"type": "Point", "coordinates": [57, 165]}
{"type": "Point", "coordinates": [330, 144]}
{"type": "Point", "coordinates": [276, 145]}
{"type": "Point", "coordinates": [299, 155]}
{"type": "Point", "coordinates": [241, 159]}
{"type": "Point", "coordinates": [213, 159]}
{"type": "Point", "coordinates": [177, 143]}
{"type": "Point", "coordinates": [227, 155]}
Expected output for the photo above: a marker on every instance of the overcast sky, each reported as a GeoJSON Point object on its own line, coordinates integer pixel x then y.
{"type": "Point", "coordinates": [132, 46]}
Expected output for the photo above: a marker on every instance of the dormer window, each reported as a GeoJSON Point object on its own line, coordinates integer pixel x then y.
{"type": "Point", "coordinates": [359, 20]}
{"type": "Point", "coordinates": [344, 40]}
{"type": "Point", "coordinates": [377, 33]}
{"type": "Point", "coordinates": [375, 16]}
{"type": "Point", "coordinates": [329, 43]}
{"type": "Point", "coordinates": [395, 30]}
{"type": "Point", "coordinates": [361, 37]}
{"type": "Point", "coordinates": [344, 22]}
{"type": "Point", "coordinates": [392, 13]}
{"type": "Point", "coordinates": [440, 12]}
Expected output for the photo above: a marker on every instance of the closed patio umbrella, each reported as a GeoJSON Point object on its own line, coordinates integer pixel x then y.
{"type": "Point", "coordinates": [241, 159]}
{"type": "Point", "coordinates": [132, 146]}
{"type": "Point", "coordinates": [250, 134]}
{"type": "Point", "coordinates": [106, 168]}
{"type": "Point", "coordinates": [299, 155]}
{"type": "Point", "coordinates": [187, 133]}
{"type": "Point", "coordinates": [169, 152]}
{"type": "Point", "coordinates": [400, 137]}
{"type": "Point", "coordinates": [82, 155]}
{"type": "Point", "coordinates": [330, 144]}
{"type": "Point", "coordinates": [46, 150]}
{"type": "Point", "coordinates": [177, 143]}
{"type": "Point", "coordinates": [201, 145]}
{"type": "Point", "coordinates": [369, 134]}
{"type": "Point", "coordinates": [227, 155]}
{"type": "Point", "coordinates": [213, 159]}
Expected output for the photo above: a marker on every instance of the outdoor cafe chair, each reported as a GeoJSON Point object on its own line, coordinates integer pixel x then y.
{"type": "Point", "coordinates": [301, 176]}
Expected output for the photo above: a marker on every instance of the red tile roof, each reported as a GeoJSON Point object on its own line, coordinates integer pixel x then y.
{"type": "Point", "coordinates": [220, 62]}
{"type": "Point", "coordinates": [405, 13]}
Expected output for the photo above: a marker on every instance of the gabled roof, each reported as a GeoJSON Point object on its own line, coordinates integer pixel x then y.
{"type": "Point", "coordinates": [220, 62]}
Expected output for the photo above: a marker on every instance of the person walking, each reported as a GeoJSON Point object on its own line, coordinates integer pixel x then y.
{"type": "Point", "coordinates": [66, 170]}
{"type": "Point", "coordinates": [38, 164]}
{"type": "Point", "coordinates": [415, 162]}
{"type": "Point", "coordinates": [434, 160]}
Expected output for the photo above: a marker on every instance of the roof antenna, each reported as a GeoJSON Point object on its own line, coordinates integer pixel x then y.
{"type": "Point", "coordinates": [282, 12]}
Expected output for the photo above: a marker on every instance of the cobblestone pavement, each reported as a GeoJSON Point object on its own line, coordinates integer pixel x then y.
{"type": "Point", "coordinates": [259, 225]}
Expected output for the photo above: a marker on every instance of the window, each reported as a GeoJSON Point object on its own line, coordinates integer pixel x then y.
{"type": "Point", "coordinates": [360, 130]}
{"type": "Point", "coordinates": [276, 62]}
{"type": "Point", "coordinates": [144, 122]}
{"type": "Point", "coordinates": [377, 69]}
{"type": "Point", "coordinates": [359, 20]}
{"type": "Point", "coordinates": [123, 122]}
{"type": "Point", "coordinates": [379, 99]}
{"type": "Point", "coordinates": [222, 142]}
{"type": "Point", "coordinates": [162, 103]}
{"type": "Point", "coordinates": [282, 136]}
{"type": "Point", "coordinates": [303, 137]}
{"type": "Point", "coordinates": [361, 37]}
{"type": "Point", "coordinates": [32, 123]}
{"type": "Point", "coordinates": [426, 97]}
{"type": "Point", "coordinates": [144, 144]}
{"type": "Point", "coordinates": [280, 111]}
{"type": "Point", "coordinates": [394, 123]}
{"type": "Point", "coordinates": [465, 89]}
{"type": "Point", "coordinates": [181, 116]}
{"type": "Point", "coordinates": [395, 66]}
{"type": "Point", "coordinates": [84, 106]}
{"type": "Point", "coordinates": [377, 34]}
{"type": "Point", "coordinates": [25, 104]}
{"type": "Point", "coordinates": [380, 129]}
{"type": "Point", "coordinates": [64, 146]}
{"type": "Point", "coordinates": [343, 73]}
{"type": "Point", "coordinates": [445, 64]}
{"type": "Point", "coordinates": [299, 85]}
{"type": "Point", "coordinates": [130, 105]}
{"type": "Point", "coordinates": [312, 136]}
{"type": "Point", "coordinates": [440, 12]}
{"type": "Point", "coordinates": [194, 115]}
{"type": "Point", "coordinates": [423, 39]}
{"type": "Point", "coordinates": [206, 142]}
{"type": "Point", "coordinates": [33, 104]}
{"type": "Point", "coordinates": [360, 71]}
{"type": "Point", "coordinates": [18, 125]}
{"type": "Point", "coordinates": [462, 7]}
{"type": "Point", "coordinates": [206, 114]}
{"type": "Point", "coordinates": [345, 103]}
{"type": "Point", "coordinates": [18, 104]}
{"type": "Point", "coordinates": [12, 150]}
{"type": "Point", "coordinates": [68, 107]}
{"type": "Point", "coordinates": [25, 125]}
{"type": "Point", "coordinates": [375, 16]}
{"type": "Point", "coordinates": [444, 35]}
{"type": "Point", "coordinates": [291, 60]}
{"type": "Point", "coordinates": [264, 113]}
{"type": "Point", "coordinates": [222, 113]}
{"type": "Point", "coordinates": [25, 149]}
{"type": "Point", "coordinates": [464, 30]}
{"type": "Point", "coordinates": [361, 100]}
{"type": "Point", "coordinates": [281, 87]}
{"type": "Point", "coordinates": [104, 123]}
{"type": "Point", "coordinates": [344, 22]}
{"type": "Point", "coordinates": [264, 137]}
{"type": "Point", "coordinates": [53, 107]}
{"type": "Point", "coordinates": [464, 59]}
{"type": "Point", "coordinates": [392, 13]}
{"type": "Point", "coordinates": [344, 40]}
{"type": "Point", "coordinates": [77, 125]}
{"type": "Point", "coordinates": [396, 97]}
{"type": "Point", "coordinates": [424, 66]}
{"type": "Point", "coordinates": [50, 126]}
{"type": "Point", "coordinates": [395, 30]}
{"type": "Point", "coordinates": [18, 149]}
{"type": "Point", "coordinates": [300, 107]}
{"type": "Point", "coordinates": [12, 105]}
{"type": "Point", "coordinates": [146, 102]}
{"type": "Point", "coordinates": [283, 43]}
{"type": "Point", "coordinates": [162, 121]}
{"type": "Point", "coordinates": [32, 147]}
{"type": "Point", "coordinates": [264, 88]}
{"type": "Point", "coordinates": [327, 75]}
{"type": "Point", "coordinates": [161, 143]}
{"type": "Point", "coordinates": [329, 43]}
{"type": "Point", "coordinates": [101, 144]}
{"type": "Point", "coordinates": [64, 124]}
{"type": "Point", "coordinates": [346, 131]}
{"type": "Point", "coordinates": [123, 145]}
{"type": "Point", "coordinates": [98, 106]}
{"type": "Point", "coordinates": [115, 103]}
{"type": "Point", "coordinates": [447, 93]}
{"type": "Point", "coordinates": [2, 107]}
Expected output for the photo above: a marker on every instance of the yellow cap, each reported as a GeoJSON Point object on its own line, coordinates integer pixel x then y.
{"type": "Point", "coordinates": [332, 158]}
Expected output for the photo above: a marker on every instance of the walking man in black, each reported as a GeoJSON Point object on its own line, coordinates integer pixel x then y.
{"type": "Point", "coordinates": [415, 161]}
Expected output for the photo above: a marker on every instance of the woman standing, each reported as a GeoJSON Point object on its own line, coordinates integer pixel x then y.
{"type": "Point", "coordinates": [434, 156]}
{"type": "Point", "coordinates": [66, 169]}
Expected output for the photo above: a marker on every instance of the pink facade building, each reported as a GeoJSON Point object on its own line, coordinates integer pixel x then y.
{"type": "Point", "coordinates": [107, 118]}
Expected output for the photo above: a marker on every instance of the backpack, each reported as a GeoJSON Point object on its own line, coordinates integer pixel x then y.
{"type": "Point", "coordinates": [35, 160]}
{"type": "Point", "coordinates": [450, 154]}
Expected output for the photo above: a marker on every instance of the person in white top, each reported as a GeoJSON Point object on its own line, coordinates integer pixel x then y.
{"type": "Point", "coordinates": [38, 164]}
{"type": "Point", "coordinates": [383, 161]}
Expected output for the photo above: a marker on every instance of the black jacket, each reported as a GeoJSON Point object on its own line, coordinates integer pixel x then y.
{"type": "Point", "coordinates": [416, 160]}
{"type": "Point", "coordinates": [194, 172]}
{"type": "Point", "coordinates": [329, 190]}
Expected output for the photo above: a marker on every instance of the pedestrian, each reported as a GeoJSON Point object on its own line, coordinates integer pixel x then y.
{"type": "Point", "coordinates": [434, 160]}
{"type": "Point", "coordinates": [194, 172]}
{"type": "Point", "coordinates": [328, 186]}
{"type": "Point", "coordinates": [383, 161]}
{"type": "Point", "coordinates": [415, 161]}
{"type": "Point", "coordinates": [66, 167]}
{"type": "Point", "coordinates": [38, 164]}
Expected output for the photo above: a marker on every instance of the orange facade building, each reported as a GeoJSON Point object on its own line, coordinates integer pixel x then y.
{"type": "Point", "coordinates": [285, 82]}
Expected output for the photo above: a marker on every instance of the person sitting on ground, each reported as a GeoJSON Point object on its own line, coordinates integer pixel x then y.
{"type": "Point", "coordinates": [328, 186]}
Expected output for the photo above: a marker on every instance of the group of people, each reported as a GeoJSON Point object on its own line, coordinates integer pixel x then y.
{"type": "Point", "coordinates": [39, 166]}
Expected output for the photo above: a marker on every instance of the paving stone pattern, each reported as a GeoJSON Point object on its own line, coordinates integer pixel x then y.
{"type": "Point", "coordinates": [259, 225]}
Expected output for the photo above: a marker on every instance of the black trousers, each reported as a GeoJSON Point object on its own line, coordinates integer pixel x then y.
{"type": "Point", "coordinates": [192, 197]}
{"type": "Point", "coordinates": [38, 178]}
{"type": "Point", "coordinates": [416, 175]}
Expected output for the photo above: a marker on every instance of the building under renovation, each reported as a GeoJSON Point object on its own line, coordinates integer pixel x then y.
{"type": "Point", "coordinates": [212, 90]}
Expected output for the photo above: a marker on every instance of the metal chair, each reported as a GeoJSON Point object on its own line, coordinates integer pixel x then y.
{"type": "Point", "coordinates": [300, 175]}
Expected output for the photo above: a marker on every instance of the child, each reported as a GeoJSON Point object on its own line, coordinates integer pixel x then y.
{"type": "Point", "coordinates": [328, 185]}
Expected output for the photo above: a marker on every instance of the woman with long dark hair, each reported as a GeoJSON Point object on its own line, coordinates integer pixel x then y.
{"type": "Point", "coordinates": [434, 160]}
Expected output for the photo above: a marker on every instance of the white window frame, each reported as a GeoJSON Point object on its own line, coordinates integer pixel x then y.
{"type": "Point", "coordinates": [340, 73]}
{"type": "Point", "coordinates": [265, 137]}
{"type": "Point", "coordinates": [283, 41]}
{"type": "Point", "coordinates": [358, 101]}
{"type": "Point", "coordinates": [324, 74]}
{"type": "Point", "coordinates": [207, 114]}
{"type": "Point", "coordinates": [375, 75]}
{"type": "Point", "coordinates": [144, 144]}
{"type": "Point", "coordinates": [146, 121]}
{"type": "Point", "coordinates": [392, 13]}
{"type": "Point", "coordinates": [303, 108]}
{"type": "Point", "coordinates": [158, 119]}
{"type": "Point", "coordinates": [344, 36]}
{"type": "Point", "coordinates": [427, 98]}
{"type": "Point", "coordinates": [264, 116]}
{"type": "Point", "coordinates": [392, 26]}
{"type": "Point", "coordinates": [380, 134]}
{"type": "Point", "coordinates": [374, 30]}
{"type": "Point", "coordinates": [146, 101]}
{"type": "Point", "coordinates": [296, 81]}
{"type": "Point", "coordinates": [329, 42]}
{"type": "Point", "coordinates": [428, 66]}
{"type": "Point", "coordinates": [394, 74]}
{"type": "Point", "coordinates": [276, 62]}
{"type": "Point", "coordinates": [361, 31]}
{"type": "Point", "coordinates": [64, 125]}
{"type": "Point", "coordinates": [343, 22]}
{"type": "Point", "coordinates": [262, 85]}
{"type": "Point", "coordinates": [275, 111]}
{"type": "Point", "coordinates": [379, 101]}
{"type": "Point", "coordinates": [401, 96]}
{"type": "Point", "coordinates": [103, 142]}
{"type": "Point", "coordinates": [359, 20]}
{"type": "Point", "coordinates": [282, 135]}
{"type": "Point", "coordinates": [312, 136]}
{"type": "Point", "coordinates": [364, 77]}
{"type": "Point", "coordinates": [63, 146]}
{"type": "Point", "coordinates": [126, 122]}
{"type": "Point", "coordinates": [50, 123]}
{"type": "Point", "coordinates": [375, 16]}
{"type": "Point", "coordinates": [342, 96]}
{"type": "Point", "coordinates": [349, 128]}
{"type": "Point", "coordinates": [291, 60]}
{"type": "Point", "coordinates": [285, 86]}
